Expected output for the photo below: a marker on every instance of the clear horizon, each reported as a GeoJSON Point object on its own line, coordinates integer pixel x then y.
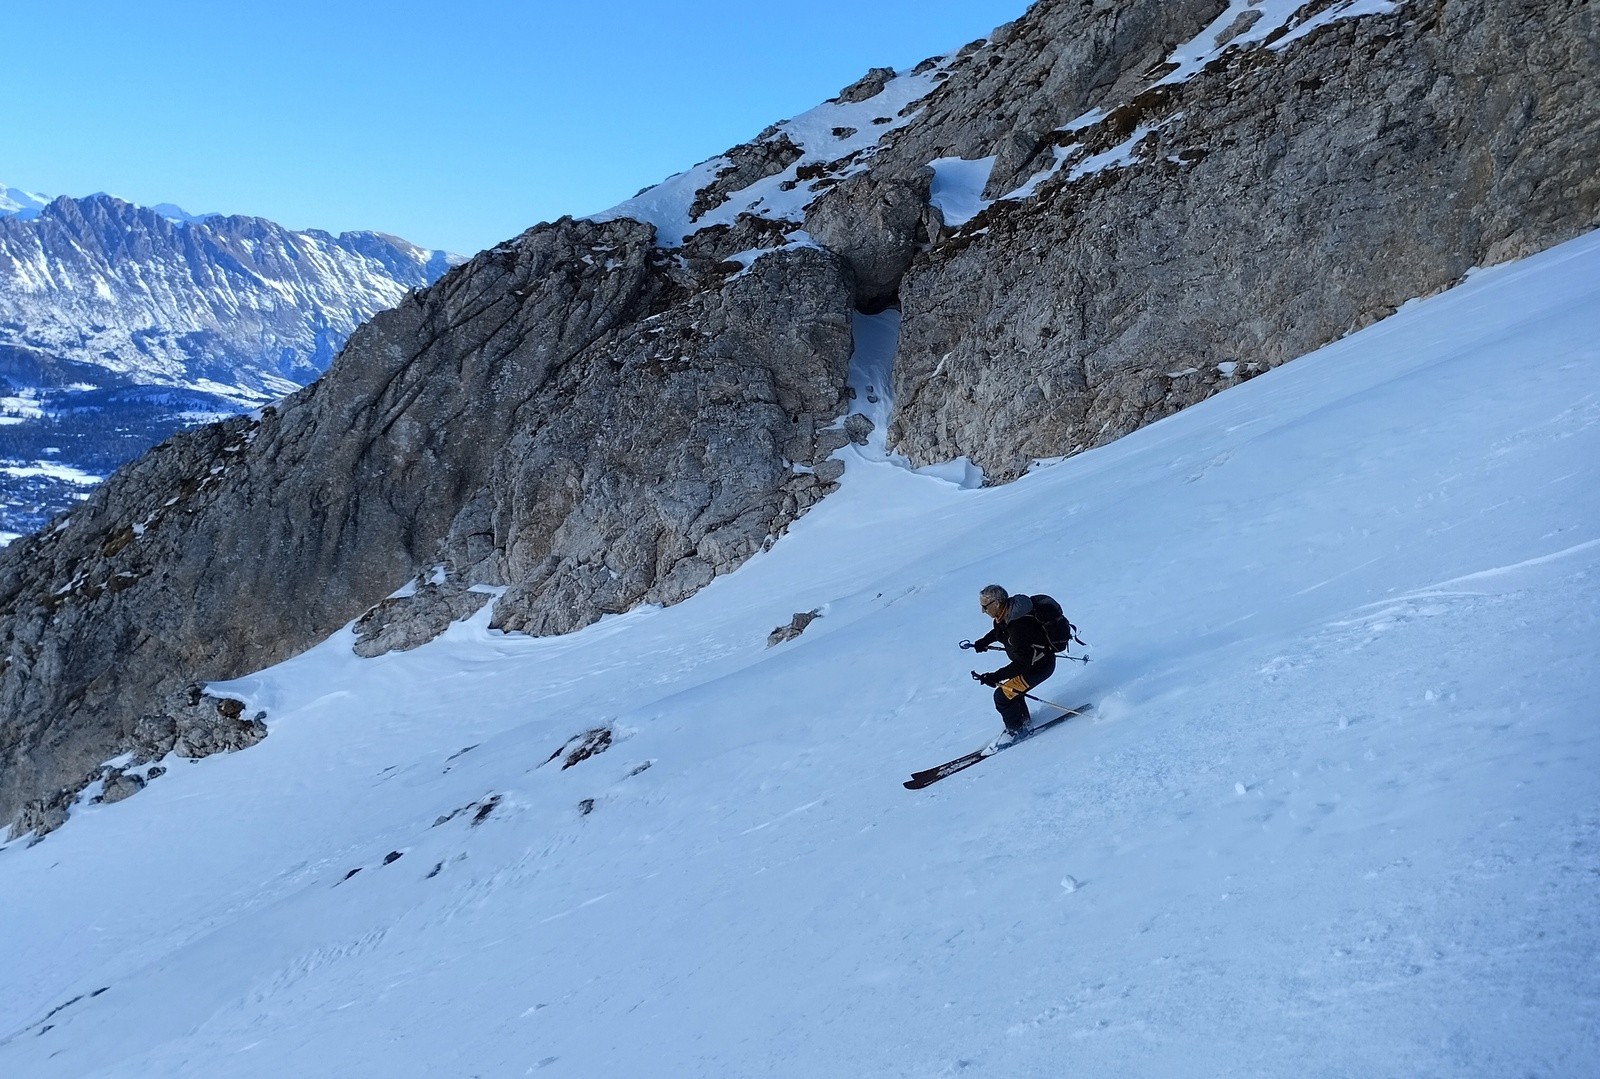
{"type": "Point", "coordinates": [451, 134]}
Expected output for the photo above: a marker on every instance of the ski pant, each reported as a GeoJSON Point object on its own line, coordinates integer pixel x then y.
{"type": "Point", "coordinates": [1008, 696]}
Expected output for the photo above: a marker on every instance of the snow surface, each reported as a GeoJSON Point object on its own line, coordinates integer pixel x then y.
{"type": "Point", "coordinates": [793, 241]}
{"type": "Point", "coordinates": [21, 407]}
{"type": "Point", "coordinates": [1271, 16]}
{"type": "Point", "coordinates": [1336, 812]}
{"type": "Point", "coordinates": [957, 188]}
{"type": "Point", "coordinates": [1119, 156]}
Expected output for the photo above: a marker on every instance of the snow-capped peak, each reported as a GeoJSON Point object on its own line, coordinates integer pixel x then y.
{"type": "Point", "coordinates": [23, 204]}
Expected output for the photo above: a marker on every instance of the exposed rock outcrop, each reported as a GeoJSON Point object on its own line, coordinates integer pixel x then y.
{"type": "Point", "coordinates": [401, 623]}
{"type": "Point", "coordinates": [796, 626]}
{"type": "Point", "coordinates": [873, 221]}
{"type": "Point", "coordinates": [1065, 57]}
{"type": "Point", "coordinates": [867, 86]}
{"type": "Point", "coordinates": [747, 163]}
{"type": "Point", "coordinates": [191, 724]}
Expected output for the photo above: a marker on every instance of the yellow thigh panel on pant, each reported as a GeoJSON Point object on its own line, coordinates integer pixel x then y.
{"type": "Point", "coordinates": [1014, 687]}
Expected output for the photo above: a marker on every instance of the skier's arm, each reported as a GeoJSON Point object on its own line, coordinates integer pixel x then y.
{"type": "Point", "coordinates": [988, 639]}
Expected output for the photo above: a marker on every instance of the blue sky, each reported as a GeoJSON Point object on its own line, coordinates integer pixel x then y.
{"type": "Point", "coordinates": [452, 125]}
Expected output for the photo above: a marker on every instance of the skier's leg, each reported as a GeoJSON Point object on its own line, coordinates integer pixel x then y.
{"type": "Point", "coordinates": [1012, 706]}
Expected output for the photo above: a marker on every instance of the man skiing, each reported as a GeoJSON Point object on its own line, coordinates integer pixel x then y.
{"type": "Point", "coordinates": [1019, 631]}
{"type": "Point", "coordinates": [1033, 631]}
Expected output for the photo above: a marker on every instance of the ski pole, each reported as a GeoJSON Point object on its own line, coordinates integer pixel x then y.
{"type": "Point", "coordinates": [976, 677]}
{"type": "Point", "coordinates": [1053, 704]}
{"type": "Point", "coordinates": [1063, 655]}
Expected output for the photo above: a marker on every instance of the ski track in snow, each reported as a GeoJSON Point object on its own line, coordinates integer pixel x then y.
{"type": "Point", "coordinates": [1335, 812]}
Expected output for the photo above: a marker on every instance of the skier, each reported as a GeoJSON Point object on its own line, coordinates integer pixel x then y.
{"type": "Point", "coordinates": [1019, 631]}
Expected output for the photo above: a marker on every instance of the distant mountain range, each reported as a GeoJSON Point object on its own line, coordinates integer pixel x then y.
{"type": "Point", "coordinates": [120, 324]}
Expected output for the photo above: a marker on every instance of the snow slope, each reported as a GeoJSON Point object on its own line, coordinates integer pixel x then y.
{"type": "Point", "coordinates": [1336, 814]}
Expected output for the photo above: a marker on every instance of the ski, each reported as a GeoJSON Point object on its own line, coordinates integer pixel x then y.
{"type": "Point", "coordinates": [929, 776]}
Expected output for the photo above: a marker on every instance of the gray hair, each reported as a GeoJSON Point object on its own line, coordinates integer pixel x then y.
{"type": "Point", "coordinates": [992, 593]}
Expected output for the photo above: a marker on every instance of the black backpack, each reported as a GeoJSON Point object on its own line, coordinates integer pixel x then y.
{"type": "Point", "coordinates": [1060, 632]}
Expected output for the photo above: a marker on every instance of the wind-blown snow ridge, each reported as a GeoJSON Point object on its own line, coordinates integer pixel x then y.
{"type": "Point", "coordinates": [1337, 804]}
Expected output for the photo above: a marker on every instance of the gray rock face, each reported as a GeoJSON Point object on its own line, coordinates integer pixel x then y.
{"type": "Point", "coordinates": [1282, 199]}
{"type": "Point", "coordinates": [857, 427]}
{"type": "Point", "coordinates": [402, 623]}
{"type": "Point", "coordinates": [194, 724]}
{"type": "Point", "coordinates": [1064, 57]}
{"type": "Point", "coordinates": [667, 456]}
{"type": "Point", "coordinates": [120, 785]}
{"type": "Point", "coordinates": [574, 416]}
{"type": "Point", "coordinates": [875, 223]}
{"type": "Point", "coordinates": [867, 86]}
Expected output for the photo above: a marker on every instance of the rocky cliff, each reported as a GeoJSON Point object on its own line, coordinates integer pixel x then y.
{"type": "Point", "coordinates": [1105, 211]}
{"type": "Point", "coordinates": [1286, 193]}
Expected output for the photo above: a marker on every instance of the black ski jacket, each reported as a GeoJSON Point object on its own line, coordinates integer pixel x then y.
{"type": "Point", "coordinates": [1025, 643]}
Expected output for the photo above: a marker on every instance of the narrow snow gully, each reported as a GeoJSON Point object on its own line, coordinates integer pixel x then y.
{"type": "Point", "coordinates": [871, 369]}
{"type": "Point", "coordinates": [871, 380]}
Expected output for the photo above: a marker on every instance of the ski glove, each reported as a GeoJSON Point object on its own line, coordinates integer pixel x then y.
{"type": "Point", "coordinates": [991, 679]}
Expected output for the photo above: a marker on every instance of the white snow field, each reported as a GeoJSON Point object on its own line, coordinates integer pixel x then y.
{"type": "Point", "coordinates": [1337, 812]}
